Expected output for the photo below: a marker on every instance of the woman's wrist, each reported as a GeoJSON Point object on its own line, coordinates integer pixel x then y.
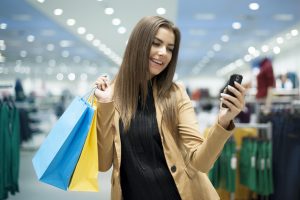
{"type": "Point", "coordinates": [223, 122]}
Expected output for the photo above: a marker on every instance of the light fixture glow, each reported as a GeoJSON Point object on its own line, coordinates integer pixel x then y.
{"type": "Point", "coordinates": [109, 11]}
{"type": "Point", "coordinates": [279, 40]}
{"type": "Point", "coordinates": [81, 30]}
{"type": "Point", "coordinates": [276, 50]}
{"type": "Point", "coordinates": [58, 11]}
{"type": "Point", "coordinates": [71, 76]}
{"type": "Point", "coordinates": [89, 37]}
{"type": "Point", "coordinates": [265, 48]}
{"type": "Point", "coordinates": [161, 11]}
{"type": "Point", "coordinates": [225, 38]}
{"type": "Point", "coordinates": [3, 26]}
{"type": "Point", "coordinates": [50, 47]}
{"type": "Point", "coordinates": [30, 38]}
{"type": "Point", "coordinates": [253, 6]}
{"type": "Point", "coordinates": [236, 25]}
{"type": "Point", "coordinates": [96, 42]}
{"type": "Point", "coordinates": [121, 30]}
{"type": "Point", "coordinates": [71, 22]}
{"type": "Point", "coordinates": [116, 21]}
{"type": "Point", "coordinates": [251, 50]}
{"type": "Point", "coordinates": [294, 32]}
{"type": "Point", "coordinates": [60, 76]}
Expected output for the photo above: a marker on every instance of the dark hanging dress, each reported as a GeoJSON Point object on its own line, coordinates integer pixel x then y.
{"type": "Point", "coordinates": [144, 171]}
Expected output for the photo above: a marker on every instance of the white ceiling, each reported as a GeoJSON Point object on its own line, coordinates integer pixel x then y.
{"type": "Point", "coordinates": [202, 23]}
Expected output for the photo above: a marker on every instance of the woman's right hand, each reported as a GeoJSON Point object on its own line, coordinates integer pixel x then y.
{"type": "Point", "coordinates": [103, 90]}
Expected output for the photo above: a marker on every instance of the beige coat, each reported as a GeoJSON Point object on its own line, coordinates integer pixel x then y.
{"type": "Point", "coordinates": [188, 164]}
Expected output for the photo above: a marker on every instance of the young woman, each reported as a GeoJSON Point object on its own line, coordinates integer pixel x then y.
{"type": "Point", "coordinates": [147, 129]}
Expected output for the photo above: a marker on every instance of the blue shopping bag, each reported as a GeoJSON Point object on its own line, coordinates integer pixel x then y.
{"type": "Point", "coordinates": [55, 160]}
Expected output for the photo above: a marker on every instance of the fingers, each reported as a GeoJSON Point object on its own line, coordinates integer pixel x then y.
{"type": "Point", "coordinates": [237, 102]}
{"type": "Point", "coordinates": [102, 82]}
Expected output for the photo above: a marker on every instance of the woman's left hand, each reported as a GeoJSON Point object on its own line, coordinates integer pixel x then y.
{"type": "Point", "coordinates": [235, 104]}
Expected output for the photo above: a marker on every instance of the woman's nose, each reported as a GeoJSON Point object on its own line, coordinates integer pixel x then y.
{"type": "Point", "coordinates": [162, 50]}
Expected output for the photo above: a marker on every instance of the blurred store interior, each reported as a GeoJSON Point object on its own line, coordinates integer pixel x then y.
{"type": "Point", "coordinates": [54, 50]}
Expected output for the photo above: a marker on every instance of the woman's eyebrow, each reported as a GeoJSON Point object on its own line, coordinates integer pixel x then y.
{"type": "Point", "coordinates": [162, 41]}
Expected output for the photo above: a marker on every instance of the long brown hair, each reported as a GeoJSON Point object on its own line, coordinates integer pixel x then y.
{"type": "Point", "coordinates": [132, 78]}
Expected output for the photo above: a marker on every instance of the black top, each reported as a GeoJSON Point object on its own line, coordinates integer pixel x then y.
{"type": "Point", "coordinates": [144, 171]}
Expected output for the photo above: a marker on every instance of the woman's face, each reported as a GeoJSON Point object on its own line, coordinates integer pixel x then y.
{"type": "Point", "coordinates": [161, 51]}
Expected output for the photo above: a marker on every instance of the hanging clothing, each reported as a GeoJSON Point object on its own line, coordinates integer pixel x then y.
{"type": "Point", "coordinates": [265, 78]}
{"type": "Point", "coordinates": [10, 150]}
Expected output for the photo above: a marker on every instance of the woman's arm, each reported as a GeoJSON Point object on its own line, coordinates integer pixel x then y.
{"type": "Point", "coordinates": [202, 153]}
{"type": "Point", "coordinates": [105, 120]}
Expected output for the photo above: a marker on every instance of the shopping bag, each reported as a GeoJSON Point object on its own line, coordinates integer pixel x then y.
{"type": "Point", "coordinates": [85, 176]}
{"type": "Point", "coordinates": [55, 160]}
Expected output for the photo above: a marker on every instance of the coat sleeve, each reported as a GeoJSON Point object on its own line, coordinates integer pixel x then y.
{"type": "Point", "coordinates": [201, 152]}
{"type": "Point", "coordinates": [105, 120]}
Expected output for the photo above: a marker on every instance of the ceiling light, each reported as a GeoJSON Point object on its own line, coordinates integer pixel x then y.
{"type": "Point", "coordinates": [109, 11]}
{"type": "Point", "coordinates": [279, 40]}
{"type": "Point", "coordinates": [236, 25]}
{"type": "Point", "coordinates": [107, 51]}
{"type": "Point", "coordinates": [50, 47]}
{"type": "Point", "coordinates": [276, 50]}
{"type": "Point", "coordinates": [41, 1]}
{"type": "Point", "coordinates": [89, 37]}
{"type": "Point", "coordinates": [65, 53]}
{"type": "Point", "coordinates": [253, 6]}
{"type": "Point", "coordinates": [81, 30]}
{"type": "Point", "coordinates": [71, 22]}
{"type": "Point", "coordinates": [256, 53]}
{"type": "Point", "coordinates": [3, 26]}
{"type": "Point", "coordinates": [288, 36]}
{"type": "Point", "coordinates": [59, 76]}
{"type": "Point", "coordinates": [2, 45]}
{"type": "Point", "coordinates": [30, 38]}
{"type": "Point", "coordinates": [161, 11]}
{"type": "Point", "coordinates": [247, 58]}
{"type": "Point", "coordinates": [71, 76]}
{"type": "Point", "coordinates": [265, 48]}
{"type": "Point", "coordinates": [83, 77]}
{"type": "Point", "coordinates": [96, 42]}
{"type": "Point", "coordinates": [58, 11]}
{"type": "Point", "coordinates": [116, 21]}
{"type": "Point", "coordinates": [294, 32]}
{"type": "Point", "coordinates": [225, 38]}
{"type": "Point", "coordinates": [77, 59]}
{"type": "Point", "coordinates": [251, 50]}
{"type": "Point", "coordinates": [121, 30]}
{"type": "Point", "coordinates": [23, 53]}
{"type": "Point", "coordinates": [217, 47]}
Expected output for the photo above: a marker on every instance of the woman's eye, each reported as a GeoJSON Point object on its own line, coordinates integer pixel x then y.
{"type": "Point", "coordinates": [155, 43]}
{"type": "Point", "coordinates": [170, 49]}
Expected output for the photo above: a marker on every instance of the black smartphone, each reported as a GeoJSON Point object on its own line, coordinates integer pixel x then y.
{"type": "Point", "coordinates": [234, 77]}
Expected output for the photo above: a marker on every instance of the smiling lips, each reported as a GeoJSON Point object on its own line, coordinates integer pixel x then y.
{"type": "Point", "coordinates": [156, 62]}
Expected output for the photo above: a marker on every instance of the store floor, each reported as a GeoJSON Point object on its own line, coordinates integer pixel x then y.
{"type": "Point", "coordinates": [32, 189]}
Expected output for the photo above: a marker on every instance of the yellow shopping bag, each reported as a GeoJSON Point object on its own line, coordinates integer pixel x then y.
{"type": "Point", "coordinates": [85, 176]}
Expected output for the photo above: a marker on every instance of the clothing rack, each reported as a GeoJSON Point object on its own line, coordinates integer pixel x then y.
{"type": "Point", "coordinates": [6, 86]}
{"type": "Point", "coordinates": [267, 126]}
